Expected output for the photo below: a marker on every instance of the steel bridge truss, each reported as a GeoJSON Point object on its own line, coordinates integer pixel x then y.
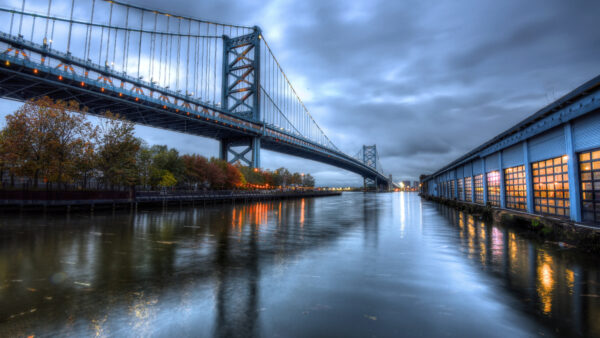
{"type": "Point", "coordinates": [241, 77]}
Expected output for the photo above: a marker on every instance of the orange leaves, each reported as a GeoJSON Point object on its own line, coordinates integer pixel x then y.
{"type": "Point", "coordinates": [44, 138]}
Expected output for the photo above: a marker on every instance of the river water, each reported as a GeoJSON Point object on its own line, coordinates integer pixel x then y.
{"type": "Point", "coordinates": [358, 265]}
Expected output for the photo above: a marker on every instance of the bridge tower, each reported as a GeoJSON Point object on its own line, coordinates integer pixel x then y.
{"type": "Point", "coordinates": [240, 94]}
{"type": "Point", "coordinates": [370, 159]}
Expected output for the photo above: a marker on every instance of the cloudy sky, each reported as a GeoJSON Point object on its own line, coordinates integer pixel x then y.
{"type": "Point", "coordinates": [424, 80]}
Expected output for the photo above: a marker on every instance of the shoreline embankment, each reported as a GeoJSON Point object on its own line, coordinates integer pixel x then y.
{"type": "Point", "coordinates": [559, 231]}
{"type": "Point", "coordinates": [80, 201]}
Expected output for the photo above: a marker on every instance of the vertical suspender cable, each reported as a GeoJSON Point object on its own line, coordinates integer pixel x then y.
{"type": "Point", "coordinates": [32, 29]}
{"type": "Point", "coordinates": [126, 41]}
{"type": "Point", "coordinates": [215, 70]}
{"type": "Point", "coordinates": [160, 59]}
{"type": "Point", "coordinates": [187, 66]}
{"type": "Point", "coordinates": [70, 27]}
{"type": "Point", "coordinates": [115, 48]}
{"type": "Point", "coordinates": [168, 66]}
{"type": "Point", "coordinates": [196, 63]}
{"type": "Point", "coordinates": [88, 37]}
{"type": "Point", "coordinates": [206, 68]}
{"type": "Point", "coordinates": [178, 53]}
{"type": "Point", "coordinates": [12, 17]}
{"type": "Point", "coordinates": [203, 69]}
{"type": "Point", "coordinates": [52, 33]}
{"type": "Point", "coordinates": [48, 21]}
{"type": "Point", "coordinates": [166, 50]}
{"type": "Point", "coordinates": [153, 48]}
{"type": "Point", "coordinates": [108, 38]}
{"type": "Point", "coordinates": [101, 46]}
{"type": "Point", "coordinates": [21, 21]}
{"type": "Point", "coordinates": [140, 44]}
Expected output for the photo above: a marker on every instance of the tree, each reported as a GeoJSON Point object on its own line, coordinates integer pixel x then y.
{"type": "Point", "coordinates": [118, 151]}
{"type": "Point", "coordinates": [308, 181]}
{"type": "Point", "coordinates": [144, 164]}
{"type": "Point", "coordinates": [215, 173]}
{"type": "Point", "coordinates": [195, 169]}
{"type": "Point", "coordinates": [3, 157]}
{"type": "Point", "coordinates": [234, 177]}
{"type": "Point", "coordinates": [167, 159]}
{"type": "Point", "coordinates": [167, 180]}
{"type": "Point", "coordinates": [47, 138]}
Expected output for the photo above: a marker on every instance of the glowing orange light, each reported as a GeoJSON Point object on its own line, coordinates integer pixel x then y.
{"type": "Point", "coordinates": [102, 90]}
{"type": "Point", "coordinates": [82, 83]}
{"type": "Point", "coordinates": [60, 77]}
{"type": "Point", "coordinates": [35, 71]}
{"type": "Point", "coordinates": [164, 107]}
{"type": "Point", "coordinates": [177, 110]}
{"type": "Point", "coordinates": [137, 98]}
{"type": "Point", "coordinates": [7, 63]}
{"type": "Point", "coordinates": [120, 94]}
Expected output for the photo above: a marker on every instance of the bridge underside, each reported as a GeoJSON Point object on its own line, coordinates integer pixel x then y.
{"type": "Point", "coordinates": [20, 83]}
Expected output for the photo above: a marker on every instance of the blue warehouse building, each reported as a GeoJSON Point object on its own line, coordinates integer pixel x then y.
{"type": "Point", "coordinates": [548, 164]}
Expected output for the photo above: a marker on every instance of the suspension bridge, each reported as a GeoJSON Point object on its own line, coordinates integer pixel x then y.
{"type": "Point", "coordinates": [168, 71]}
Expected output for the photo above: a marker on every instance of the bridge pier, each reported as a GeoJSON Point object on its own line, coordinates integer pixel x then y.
{"type": "Point", "coordinates": [243, 150]}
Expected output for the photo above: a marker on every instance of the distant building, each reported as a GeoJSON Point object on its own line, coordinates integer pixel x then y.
{"type": "Point", "coordinates": [548, 164]}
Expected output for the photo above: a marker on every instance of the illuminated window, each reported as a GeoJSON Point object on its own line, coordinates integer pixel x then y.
{"type": "Point", "coordinates": [452, 189]}
{"type": "Point", "coordinates": [551, 186]}
{"type": "Point", "coordinates": [460, 189]}
{"type": "Point", "coordinates": [479, 189]}
{"type": "Point", "coordinates": [589, 171]}
{"type": "Point", "coordinates": [468, 188]}
{"type": "Point", "coordinates": [516, 187]}
{"type": "Point", "coordinates": [493, 188]}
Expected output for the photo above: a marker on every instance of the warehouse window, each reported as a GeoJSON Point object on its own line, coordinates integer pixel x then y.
{"type": "Point", "coordinates": [479, 189]}
{"type": "Point", "coordinates": [493, 188]}
{"type": "Point", "coordinates": [452, 189]}
{"type": "Point", "coordinates": [589, 171]}
{"type": "Point", "coordinates": [516, 187]}
{"type": "Point", "coordinates": [551, 186]}
{"type": "Point", "coordinates": [460, 189]}
{"type": "Point", "coordinates": [468, 188]}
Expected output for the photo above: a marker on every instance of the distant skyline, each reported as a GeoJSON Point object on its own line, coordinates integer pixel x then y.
{"type": "Point", "coordinates": [426, 81]}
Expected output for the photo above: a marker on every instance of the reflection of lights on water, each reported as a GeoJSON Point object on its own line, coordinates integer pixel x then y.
{"type": "Point", "coordinates": [570, 276]}
{"type": "Point", "coordinates": [482, 248]}
{"type": "Point", "coordinates": [302, 212]}
{"type": "Point", "coordinates": [545, 281]}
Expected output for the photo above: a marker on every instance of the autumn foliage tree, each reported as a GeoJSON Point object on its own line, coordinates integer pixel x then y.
{"type": "Point", "coordinates": [117, 153]}
{"type": "Point", "coordinates": [54, 142]}
{"type": "Point", "coordinates": [47, 139]}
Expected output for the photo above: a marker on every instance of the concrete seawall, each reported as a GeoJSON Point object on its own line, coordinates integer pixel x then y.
{"type": "Point", "coordinates": [154, 200]}
{"type": "Point", "coordinates": [560, 231]}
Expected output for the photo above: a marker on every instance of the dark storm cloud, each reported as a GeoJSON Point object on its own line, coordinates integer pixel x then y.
{"type": "Point", "coordinates": [425, 80]}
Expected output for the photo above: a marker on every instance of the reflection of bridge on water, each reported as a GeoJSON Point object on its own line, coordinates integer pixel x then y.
{"type": "Point", "coordinates": [545, 279]}
{"type": "Point", "coordinates": [137, 260]}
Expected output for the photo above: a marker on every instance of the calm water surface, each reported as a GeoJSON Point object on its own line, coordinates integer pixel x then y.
{"type": "Point", "coordinates": [358, 265]}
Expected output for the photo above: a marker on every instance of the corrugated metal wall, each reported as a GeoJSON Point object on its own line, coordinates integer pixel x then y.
{"type": "Point", "coordinates": [477, 169]}
{"type": "Point", "coordinates": [468, 169]}
{"type": "Point", "coordinates": [548, 145]}
{"type": "Point", "coordinates": [513, 156]}
{"type": "Point", "coordinates": [492, 163]}
{"type": "Point", "coordinates": [586, 132]}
